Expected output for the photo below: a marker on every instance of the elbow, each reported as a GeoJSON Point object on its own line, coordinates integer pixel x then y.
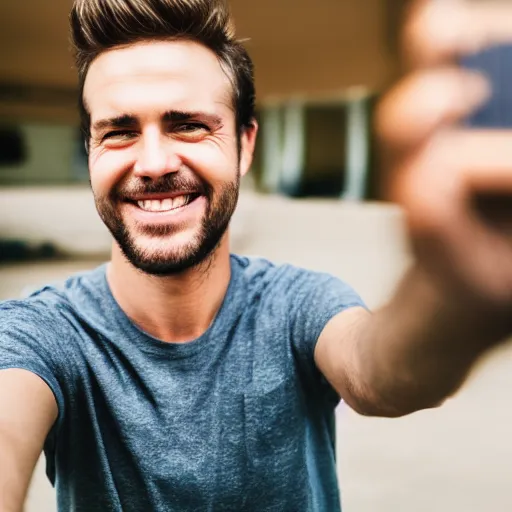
{"type": "Point", "coordinates": [373, 399]}
{"type": "Point", "coordinates": [394, 408]}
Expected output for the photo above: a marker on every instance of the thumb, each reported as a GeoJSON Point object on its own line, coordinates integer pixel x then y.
{"type": "Point", "coordinates": [426, 101]}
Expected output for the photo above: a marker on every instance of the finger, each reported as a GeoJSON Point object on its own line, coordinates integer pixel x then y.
{"type": "Point", "coordinates": [441, 31]}
{"type": "Point", "coordinates": [451, 167]}
{"type": "Point", "coordinates": [483, 157]}
{"type": "Point", "coordinates": [426, 101]}
{"type": "Point", "coordinates": [465, 251]}
{"type": "Point", "coordinates": [435, 192]}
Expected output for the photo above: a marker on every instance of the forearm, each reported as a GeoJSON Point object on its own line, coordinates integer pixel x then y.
{"type": "Point", "coordinates": [419, 349]}
{"type": "Point", "coordinates": [28, 410]}
{"type": "Point", "coordinates": [12, 484]}
{"type": "Point", "coordinates": [16, 469]}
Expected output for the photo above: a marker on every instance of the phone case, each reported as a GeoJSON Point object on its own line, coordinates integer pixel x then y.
{"type": "Point", "coordinates": [496, 64]}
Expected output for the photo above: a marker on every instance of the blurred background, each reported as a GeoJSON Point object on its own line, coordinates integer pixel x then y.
{"type": "Point", "coordinates": [314, 198]}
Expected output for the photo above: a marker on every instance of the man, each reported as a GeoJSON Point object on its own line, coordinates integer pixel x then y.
{"type": "Point", "coordinates": [178, 377]}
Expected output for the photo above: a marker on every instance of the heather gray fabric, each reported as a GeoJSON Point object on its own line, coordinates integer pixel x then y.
{"type": "Point", "coordinates": [239, 419]}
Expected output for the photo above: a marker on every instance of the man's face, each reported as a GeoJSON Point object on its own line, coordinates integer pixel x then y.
{"type": "Point", "coordinates": [164, 159]}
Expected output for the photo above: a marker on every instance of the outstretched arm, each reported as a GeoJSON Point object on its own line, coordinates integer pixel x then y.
{"type": "Point", "coordinates": [455, 186]}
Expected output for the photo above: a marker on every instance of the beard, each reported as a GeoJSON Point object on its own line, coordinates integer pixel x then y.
{"type": "Point", "coordinates": [170, 260]}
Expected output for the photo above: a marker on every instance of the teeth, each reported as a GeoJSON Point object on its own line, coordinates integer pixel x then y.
{"type": "Point", "coordinates": [165, 205]}
{"type": "Point", "coordinates": [179, 201]}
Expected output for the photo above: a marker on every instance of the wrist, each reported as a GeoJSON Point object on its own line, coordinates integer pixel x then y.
{"type": "Point", "coordinates": [465, 317]}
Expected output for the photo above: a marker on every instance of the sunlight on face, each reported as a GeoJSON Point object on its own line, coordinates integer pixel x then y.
{"type": "Point", "coordinates": [164, 159]}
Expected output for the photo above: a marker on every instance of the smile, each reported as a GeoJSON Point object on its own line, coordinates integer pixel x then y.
{"type": "Point", "coordinates": [166, 204]}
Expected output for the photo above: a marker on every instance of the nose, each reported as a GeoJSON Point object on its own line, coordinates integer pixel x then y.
{"type": "Point", "coordinates": [156, 157]}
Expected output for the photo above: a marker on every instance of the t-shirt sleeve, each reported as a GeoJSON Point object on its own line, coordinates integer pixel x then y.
{"type": "Point", "coordinates": [315, 298]}
{"type": "Point", "coordinates": [29, 341]}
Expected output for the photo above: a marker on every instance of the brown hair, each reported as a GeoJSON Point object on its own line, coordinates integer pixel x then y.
{"type": "Point", "coordinates": [99, 25]}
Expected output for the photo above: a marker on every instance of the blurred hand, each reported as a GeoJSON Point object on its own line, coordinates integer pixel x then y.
{"type": "Point", "coordinates": [454, 184]}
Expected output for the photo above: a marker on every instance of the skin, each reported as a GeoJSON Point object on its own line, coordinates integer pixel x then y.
{"type": "Point", "coordinates": [454, 186]}
{"type": "Point", "coordinates": [146, 81]}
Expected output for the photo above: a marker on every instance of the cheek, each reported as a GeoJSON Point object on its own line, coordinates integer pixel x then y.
{"type": "Point", "coordinates": [107, 169]}
{"type": "Point", "coordinates": [215, 164]}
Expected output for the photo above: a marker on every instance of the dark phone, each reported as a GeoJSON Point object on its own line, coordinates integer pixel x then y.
{"type": "Point", "coordinates": [496, 64]}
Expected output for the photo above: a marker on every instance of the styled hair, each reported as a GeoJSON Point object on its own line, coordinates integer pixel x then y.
{"type": "Point", "coordinates": [100, 25]}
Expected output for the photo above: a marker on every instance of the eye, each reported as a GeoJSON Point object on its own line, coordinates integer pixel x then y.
{"type": "Point", "coordinates": [119, 135]}
{"type": "Point", "coordinates": [191, 132]}
{"type": "Point", "coordinates": [191, 127]}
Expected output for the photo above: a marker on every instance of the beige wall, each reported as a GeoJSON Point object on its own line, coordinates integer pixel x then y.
{"type": "Point", "coordinates": [270, 225]}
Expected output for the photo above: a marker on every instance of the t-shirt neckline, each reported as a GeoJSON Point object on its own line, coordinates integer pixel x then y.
{"type": "Point", "coordinates": [148, 343]}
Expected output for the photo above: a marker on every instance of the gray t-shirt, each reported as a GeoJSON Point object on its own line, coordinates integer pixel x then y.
{"type": "Point", "coordinates": [239, 419]}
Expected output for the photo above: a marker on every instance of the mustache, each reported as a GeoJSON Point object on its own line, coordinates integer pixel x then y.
{"type": "Point", "coordinates": [168, 184]}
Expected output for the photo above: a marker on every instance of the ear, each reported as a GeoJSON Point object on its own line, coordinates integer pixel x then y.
{"type": "Point", "coordinates": [247, 144]}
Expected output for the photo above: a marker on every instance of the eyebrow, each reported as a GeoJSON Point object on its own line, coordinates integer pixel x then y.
{"type": "Point", "coordinates": [123, 121]}
{"type": "Point", "coordinates": [179, 116]}
{"type": "Point", "coordinates": [171, 116]}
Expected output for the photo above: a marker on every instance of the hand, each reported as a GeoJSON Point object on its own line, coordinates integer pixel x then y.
{"type": "Point", "coordinates": [454, 184]}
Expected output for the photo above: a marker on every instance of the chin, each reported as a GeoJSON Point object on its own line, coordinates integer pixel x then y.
{"type": "Point", "coordinates": [163, 263]}
{"type": "Point", "coordinates": [171, 245]}
{"type": "Point", "coordinates": [169, 257]}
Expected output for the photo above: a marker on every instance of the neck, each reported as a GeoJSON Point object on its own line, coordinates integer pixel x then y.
{"type": "Point", "coordinates": [177, 308]}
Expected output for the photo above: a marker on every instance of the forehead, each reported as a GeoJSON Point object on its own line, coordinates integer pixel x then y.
{"type": "Point", "coordinates": [151, 77]}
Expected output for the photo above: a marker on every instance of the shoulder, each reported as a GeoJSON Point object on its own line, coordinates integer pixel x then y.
{"type": "Point", "coordinates": [257, 270]}
{"type": "Point", "coordinates": [35, 313]}
{"type": "Point", "coordinates": [283, 280]}
{"type": "Point", "coordinates": [260, 275]}
{"type": "Point", "coordinates": [46, 308]}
